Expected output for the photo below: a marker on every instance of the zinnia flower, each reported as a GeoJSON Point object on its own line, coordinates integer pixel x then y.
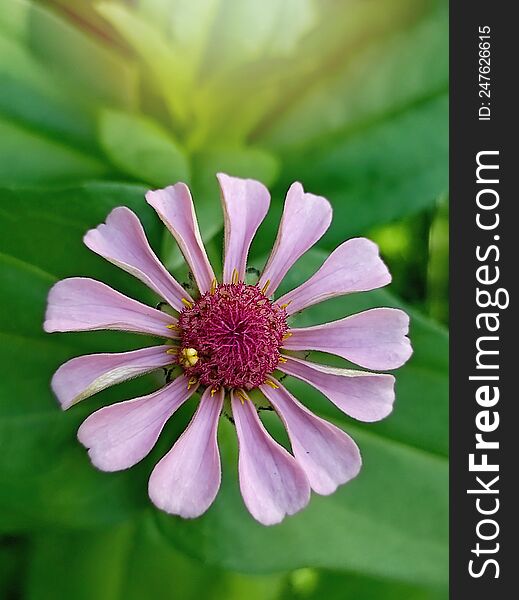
{"type": "Point", "coordinates": [225, 341]}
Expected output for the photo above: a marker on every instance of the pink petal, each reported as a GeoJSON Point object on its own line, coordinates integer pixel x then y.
{"type": "Point", "coordinates": [84, 376]}
{"type": "Point", "coordinates": [245, 203]}
{"type": "Point", "coordinates": [120, 435]}
{"type": "Point", "coordinates": [81, 304]}
{"type": "Point", "coordinates": [354, 266]}
{"type": "Point", "coordinates": [185, 482]}
{"type": "Point", "coordinates": [328, 456]}
{"type": "Point", "coordinates": [122, 241]}
{"type": "Point", "coordinates": [362, 395]}
{"type": "Point", "coordinates": [305, 219]}
{"type": "Point", "coordinates": [272, 483]}
{"type": "Point", "coordinates": [374, 339]}
{"type": "Point", "coordinates": [174, 206]}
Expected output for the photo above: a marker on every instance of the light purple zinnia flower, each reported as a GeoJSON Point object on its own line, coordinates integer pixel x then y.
{"type": "Point", "coordinates": [225, 341]}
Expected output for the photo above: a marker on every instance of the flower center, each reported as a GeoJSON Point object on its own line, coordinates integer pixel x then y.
{"type": "Point", "coordinates": [231, 336]}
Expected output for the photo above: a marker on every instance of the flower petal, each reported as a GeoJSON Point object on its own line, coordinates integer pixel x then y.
{"type": "Point", "coordinates": [354, 266]}
{"type": "Point", "coordinates": [272, 483]}
{"type": "Point", "coordinates": [305, 219]}
{"type": "Point", "coordinates": [328, 456]}
{"type": "Point", "coordinates": [374, 339]}
{"type": "Point", "coordinates": [84, 376]}
{"type": "Point", "coordinates": [245, 203]}
{"type": "Point", "coordinates": [122, 241]}
{"type": "Point", "coordinates": [185, 482]}
{"type": "Point", "coordinates": [362, 395]}
{"type": "Point", "coordinates": [174, 206]}
{"type": "Point", "coordinates": [82, 304]}
{"type": "Point", "coordinates": [120, 435]}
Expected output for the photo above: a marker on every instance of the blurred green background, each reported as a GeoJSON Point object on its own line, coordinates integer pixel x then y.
{"type": "Point", "coordinates": [99, 101]}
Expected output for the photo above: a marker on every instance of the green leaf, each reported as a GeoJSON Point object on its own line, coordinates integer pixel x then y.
{"type": "Point", "coordinates": [381, 171]}
{"type": "Point", "coordinates": [89, 64]}
{"type": "Point", "coordinates": [141, 148]}
{"type": "Point", "coordinates": [30, 158]}
{"type": "Point", "coordinates": [52, 116]}
{"type": "Point", "coordinates": [313, 584]}
{"type": "Point", "coordinates": [46, 476]}
{"type": "Point", "coordinates": [41, 101]}
{"type": "Point", "coordinates": [370, 131]}
{"type": "Point", "coordinates": [163, 63]}
{"type": "Point", "coordinates": [132, 561]}
{"type": "Point", "coordinates": [378, 76]}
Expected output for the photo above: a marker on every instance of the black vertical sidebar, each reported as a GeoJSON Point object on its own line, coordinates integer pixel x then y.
{"type": "Point", "coordinates": [490, 539]}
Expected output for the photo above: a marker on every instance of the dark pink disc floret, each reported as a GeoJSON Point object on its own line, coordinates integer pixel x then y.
{"type": "Point", "coordinates": [237, 333]}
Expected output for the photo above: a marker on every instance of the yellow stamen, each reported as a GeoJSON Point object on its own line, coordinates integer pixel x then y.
{"type": "Point", "coordinates": [187, 303]}
{"type": "Point", "coordinates": [286, 304]}
{"type": "Point", "coordinates": [235, 276]}
{"type": "Point", "coordinates": [213, 391]}
{"type": "Point", "coordinates": [173, 326]}
{"type": "Point", "coordinates": [214, 285]}
{"type": "Point", "coordinates": [265, 287]}
{"type": "Point", "coordinates": [172, 351]}
{"type": "Point", "coordinates": [271, 383]}
{"type": "Point", "coordinates": [191, 382]}
{"type": "Point", "coordinates": [241, 396]}
{"type": "Point", "coordinates": [282, 359]}
{"type": "Point", "coordinates": [287, 335]}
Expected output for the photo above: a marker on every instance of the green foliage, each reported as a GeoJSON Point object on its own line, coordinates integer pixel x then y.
{"type": "Point", "coordinates": [102, 100]}
{"type": "Point", "coordinates": [151, 154]}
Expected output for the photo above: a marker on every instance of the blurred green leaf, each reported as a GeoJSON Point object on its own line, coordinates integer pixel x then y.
{"type": "Point", "coordinates": [132, 561]}
{"type": "Point", "coordinates": [46, 476]}
{"type": "Point", "coordinates": [12, 565]}
{"type": "Point", "coordinates": [40, 100]}
{"type": "Point", "coordinates": [311, 584]}
{"type": "Point", "coordinates": [142, 148]}
{"type": "Point", "coordinates": [163, 63]}
{"type": "Point", "coordinates": [50, 115]}
{"type": "Point", "coordinates": [380, 172]}
{"type": "Point", "coordinates": [369, 130]}
{"type": "Point", "coordinates": [86, 62]}
{"type": "Point", "coordinates": [29, 158]}
{"type": "Point", "coordinates": [406, 62]}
